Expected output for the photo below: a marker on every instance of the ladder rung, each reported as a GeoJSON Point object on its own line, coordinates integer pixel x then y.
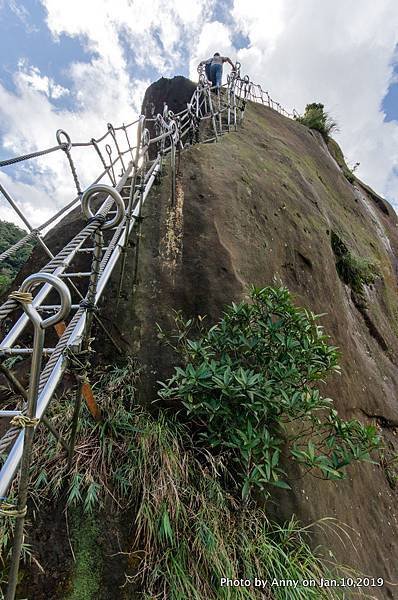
{"type": "Point", "coordinates": [9, 351]}
{"type": "Point", "coordinates": [76, 274]}
{"type": "Point", "coordinates": [91, 249]}
{"type": "Point", "coordinates": [54, 307]}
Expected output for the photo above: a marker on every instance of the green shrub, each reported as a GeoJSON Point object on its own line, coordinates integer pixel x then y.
{"type": "Point", "coordinates": [354, 271]}
{"type": "Point", "coordinates": [249, 386]}
{"type": "Point", "coordinates": [315, 117]}
{"type": "Point", "coordinates": [5, 281]}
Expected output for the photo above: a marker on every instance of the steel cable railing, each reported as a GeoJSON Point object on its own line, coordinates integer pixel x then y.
{"type": "Point", "coordinates": [210, 114]}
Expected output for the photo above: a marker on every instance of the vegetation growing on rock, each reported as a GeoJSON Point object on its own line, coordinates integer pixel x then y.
{"type": "Point", "coordinates": [188, 527]}
{"type": "Point", "coordinates": [250, 383]}
{"type": "Point", "coordinates": [355, 271]}
{"type": "Point", "coordinates": [315, 117]}
{"type": "Point", "coordinates": [86, 577]}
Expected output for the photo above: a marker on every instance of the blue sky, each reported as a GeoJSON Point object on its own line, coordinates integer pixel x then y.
{"type": "Point", "coordinates": [78, 65]}
{"type": "Point", "coordinates": [24, 35]}
{"type": "Point", "coordinates": [390, 100]}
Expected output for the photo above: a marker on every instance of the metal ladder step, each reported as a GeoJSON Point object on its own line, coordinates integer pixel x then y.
{"type": "Point", "coordinates": [54, 307]}
{"type": "Point", "coordinates": [91, 249]}
{"type": "Point", "coordinates": [83, 274]}
{"type": "Point", "coordinates": [22, 351]}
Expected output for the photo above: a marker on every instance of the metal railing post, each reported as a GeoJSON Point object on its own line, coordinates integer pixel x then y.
{"type": "Point", "coordinates": [212, 114]}
{"type": "Point", "coordinates": [29, 421]}
{"type": "Point", "coordinates": [89, 302]}
{"type": "Point", "coordinates": [132, 193]}
{"type": "Point", "coordinates": [108, 149]}
{"type": "Point", "coordinates": [95, 144]}
{"type": "Point", "coordinates": [67, 149]}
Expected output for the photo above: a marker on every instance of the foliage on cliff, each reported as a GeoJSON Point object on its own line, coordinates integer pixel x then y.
{"type": "Point", "coordinates": [188, 530]}
{"type": "Point", "coordinates": [315, 117]}
{"type": "Point", "coordinates": [250, 384]}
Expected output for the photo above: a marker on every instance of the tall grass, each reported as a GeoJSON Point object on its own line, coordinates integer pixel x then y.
{"type": "Point", "coordinates": [102, 461]}
{"type": "Point", "coordinates": [187, 530]}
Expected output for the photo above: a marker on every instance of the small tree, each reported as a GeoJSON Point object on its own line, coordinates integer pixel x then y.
{"type": "Point", "coordinates": [249, 384]}
{"type": "Point", "coordinates": [315, 117]}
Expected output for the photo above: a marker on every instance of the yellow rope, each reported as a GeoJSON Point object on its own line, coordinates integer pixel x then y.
{"type": "Point", "coordinates": [10, 510]}
{"type": "Point", "coordinates": [22, 297]}
{"type": "Point", "coordinates": [23, 421]}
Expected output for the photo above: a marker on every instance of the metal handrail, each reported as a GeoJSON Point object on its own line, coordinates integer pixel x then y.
{"type": "Point", "coordinates": [173, 133]}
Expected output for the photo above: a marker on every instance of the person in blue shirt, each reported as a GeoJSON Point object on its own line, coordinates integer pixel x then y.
{"type": "Point", "coordinates": [213, 68]}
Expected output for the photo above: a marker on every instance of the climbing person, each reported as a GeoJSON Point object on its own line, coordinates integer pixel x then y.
{"type": "Point", "coordinates": [215, 70]}
{"type": "Point", "coordinates": [207, 69]}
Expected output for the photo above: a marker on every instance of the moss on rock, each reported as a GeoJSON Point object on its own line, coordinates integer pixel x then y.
{"type": "Point", "coordinates": [86, 576]}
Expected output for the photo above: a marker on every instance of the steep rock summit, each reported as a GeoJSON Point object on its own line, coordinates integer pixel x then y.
{"type": "Point", "coordinates": [272, 203]}
{"type": "Point", "coordinates": [269, 203]}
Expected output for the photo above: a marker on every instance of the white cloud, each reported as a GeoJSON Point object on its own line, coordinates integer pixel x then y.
{"type": "Point", "coordinates": [103, 89]}
{"type": "Point", "coordinates": [34, 209]}
{"type": "Point", "coordinates": [23, 15]}
{"type": "Point", "coordinates": [40, 83]}
{"type": "Point", "coordinates": [338, 53]}
{"type": "Point", "coordinates": [211, 34]}
{"type": "Point", "coordinates": [153, 31]}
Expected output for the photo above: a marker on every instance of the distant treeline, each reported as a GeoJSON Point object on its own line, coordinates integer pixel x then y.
{"type": "Point", "coordinates": [9, 235]}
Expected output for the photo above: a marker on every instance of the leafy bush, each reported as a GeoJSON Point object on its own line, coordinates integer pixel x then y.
{"type": "Point", "coordinates": [5, 281]}
{"type": "Point", "coordinates": [315, 117]}
{"type": "Point", "coordinates": [353, 270]}
{"type": "Point", "coordinates": [249, 385]}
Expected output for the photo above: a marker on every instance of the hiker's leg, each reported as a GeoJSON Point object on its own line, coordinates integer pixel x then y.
{"type": "Point", "coordinates": [218, 75]}
{"type": "Point", "coordinates": [213, 74]}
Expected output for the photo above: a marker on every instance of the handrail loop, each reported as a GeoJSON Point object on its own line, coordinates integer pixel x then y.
{"type": "Point", "coordinates": [92, 191]}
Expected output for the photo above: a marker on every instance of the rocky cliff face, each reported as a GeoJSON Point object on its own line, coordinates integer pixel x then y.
{"type": "Point", "coordinates": [267, 203]}
{"type": "Point", "coordinates": [270, 203]}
